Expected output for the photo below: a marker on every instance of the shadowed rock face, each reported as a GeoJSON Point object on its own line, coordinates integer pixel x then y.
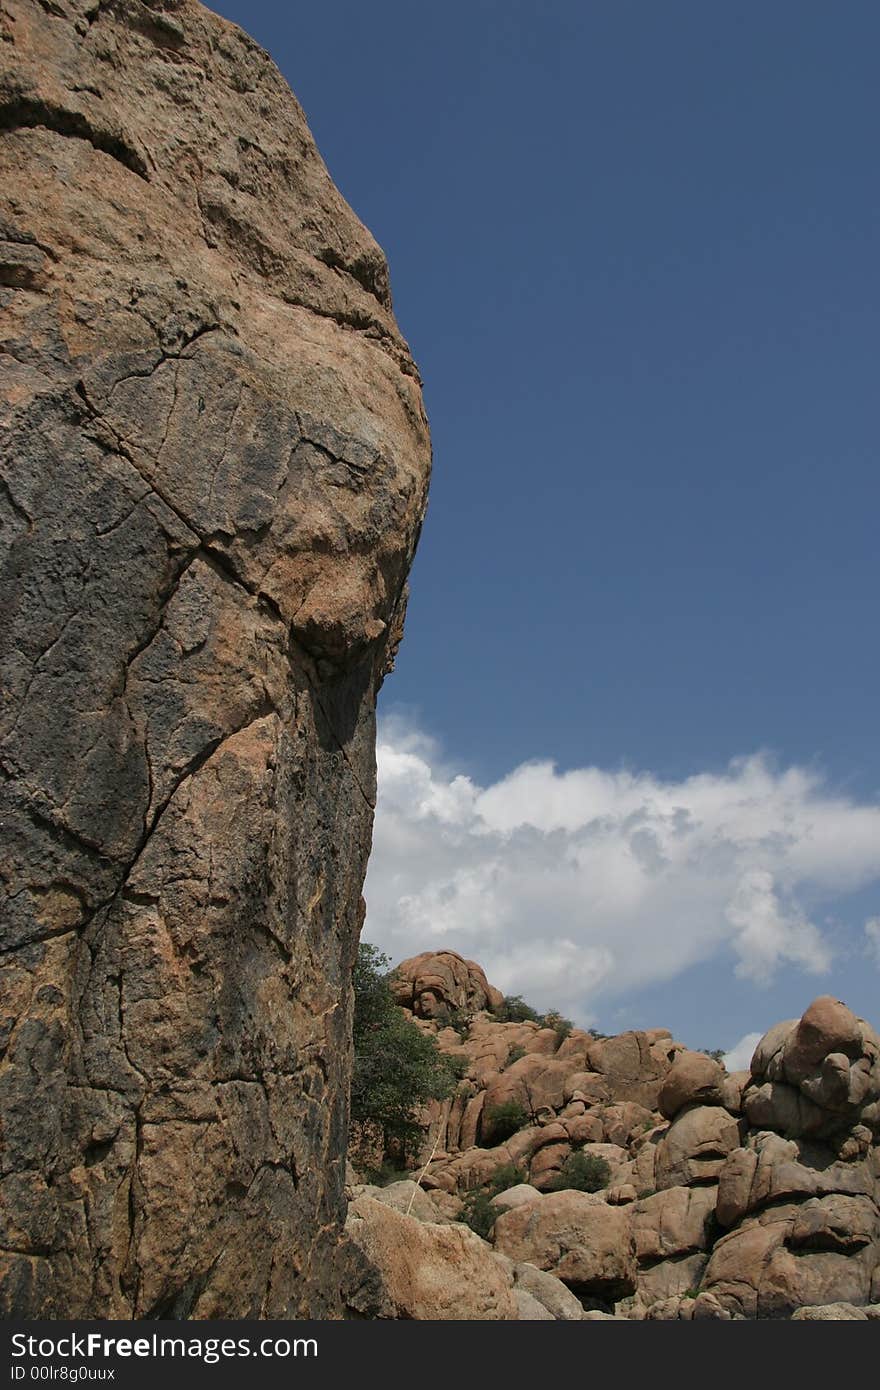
{"type": "Point", "coordinates": [213, 468]}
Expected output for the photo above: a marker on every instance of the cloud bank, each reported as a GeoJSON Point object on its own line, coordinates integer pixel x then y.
{"type": "Point", "coordinates": [580, 886]}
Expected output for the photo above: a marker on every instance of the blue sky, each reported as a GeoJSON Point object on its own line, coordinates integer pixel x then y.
{"type": "Point", "coordinates": [633, 247]}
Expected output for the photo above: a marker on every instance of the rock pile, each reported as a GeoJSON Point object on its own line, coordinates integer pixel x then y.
{"type": "Point", "coordinates": [753, 1195]}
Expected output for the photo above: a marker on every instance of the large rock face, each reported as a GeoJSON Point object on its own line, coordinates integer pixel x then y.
{"type": "Point", "coordinates": [213, 468]}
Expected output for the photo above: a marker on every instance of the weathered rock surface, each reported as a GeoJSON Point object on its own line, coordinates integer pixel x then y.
{"type": "Point", "coordinates": [437, 982]}
{"type": "Point", "coordinates": [521, 1195]}
{"type": "Point", "coordinates": [576, 1236]}
{"type": "Point", "coordinates": [214, 461]}
{"type": "Point", "coordinates": [634, 1065]}
{"type": "Point", "coordinates": [559, 1301]}
{"type": "Point", "coordinates": [409, 1198]}
{"type": "Point", "coordinates": [693, 1079]}
{"type": "Point", "coordinates": [695, 1146]}
{"type": "Point", "coordinates": [426, 1272]}
{"type": "Point", "coordinates": [816, 1075]}
{"type": "Point", "coordinates": [687, 1307]}
{"type": "Point", "coordinates": [529, 1308]}
{"type": "Point", "coordinates": [673, 1222]}
{"type": "Point", "coordinates": [832, 1312]}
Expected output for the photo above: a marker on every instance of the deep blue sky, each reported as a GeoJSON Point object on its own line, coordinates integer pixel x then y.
{"type": "Point", "coordinates": [634, 249]}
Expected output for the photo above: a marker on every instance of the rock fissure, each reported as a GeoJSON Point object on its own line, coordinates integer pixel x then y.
{"type": "Point", "coordinates": [27, 112]}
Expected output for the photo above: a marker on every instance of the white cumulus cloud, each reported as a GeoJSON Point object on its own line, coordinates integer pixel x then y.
{"type": "Point", "coordinates": [584, 885]}
{"type": "Point", "coordinates": [872, 932]}
{"type": "Point", "coordinates": [740, 1055]}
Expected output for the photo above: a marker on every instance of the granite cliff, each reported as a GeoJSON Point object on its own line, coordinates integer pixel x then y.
{"type": "Point", "coordinates": [213, 469]}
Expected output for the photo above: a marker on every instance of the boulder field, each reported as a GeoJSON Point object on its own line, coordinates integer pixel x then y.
{"type": "Point", "coordinates": [752, 1195]}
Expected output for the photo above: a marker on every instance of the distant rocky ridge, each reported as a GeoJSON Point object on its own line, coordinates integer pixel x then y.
{"type": "Point", "coordinates": [752, 1195]}
{"type": "Point", "coordinates": [213, 470]}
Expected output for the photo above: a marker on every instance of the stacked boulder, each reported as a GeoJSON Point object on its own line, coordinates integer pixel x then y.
{"type": "Point", "coordinates": [798, 1201]}
{"type": "Point", "coordinates": [437, 983]}
{"type": "Point", "coordinates": [746, 1195]}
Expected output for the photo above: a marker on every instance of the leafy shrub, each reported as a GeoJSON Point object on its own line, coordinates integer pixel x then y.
{"type": "Point", "coordinates": [457, 1019]}
{"type": "Point", "coordinates": [514, 1009]}
{"type": "Point", "coordinates": [506, 1175]}
{"type": "Point", "coordinates": [397, 1067]}
{"type": "Point", "coordinates": [501, 1121]}
{"type": "Point", "coordinates": [561, 1026]}
{"type": "Point", "coordinates": [583, 1173]}
{"type": "Point", "coordinates": [478, 1212]}
{"type": "Point", "coordinates": [457, 1065]}
{"type": "Point", "coordinates": [716, 1053]}
{"type": "Point", "coordinates": [513, 1056]}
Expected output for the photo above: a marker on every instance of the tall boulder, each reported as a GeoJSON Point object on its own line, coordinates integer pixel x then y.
{"type": "Point", "coordinates": [439, 982]}
{"type": "Point", "coordinates": [577, 1237]}
{"type": "Point", "coordinates": [213, 469]}
{"type": "Point", "coordinates": [816, 1075]}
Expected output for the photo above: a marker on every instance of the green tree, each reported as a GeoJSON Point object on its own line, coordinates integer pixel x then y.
{"type": "Point", "coordinates": [583, 1173]}
{"type": "Point", "coordinates": [514, 1009]}
{"type": "Point", "coordinates": [513, 1055]}
{"type": "Point", "coordinates": [501, 1121]}
{"type": "Point", "coordinates": [397, 1067]}
{"type": "Point", "coordinates": [561, 1026]}
{"type": "Point", "coordinates": [477, 1210]}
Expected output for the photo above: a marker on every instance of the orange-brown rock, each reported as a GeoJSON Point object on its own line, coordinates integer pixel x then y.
{"type": "Point", "coordinates": [816, 1075]}
{"type": "Point", "coordinates": [518, 1196]}
{"type": "Point", "coordinates": [437, 982]}
{"type": "Point", "coordinates": [673, 1222]}
{"type": "Point", "coordinates": [827, 1026]}
{"type": "Point", "coordinates": [576, 1236]}
{"type": "Point", "coordinates": [559, 1301]}
{"type": "Point", "coordinates": [757, 1271]}
{"type": "Point", "coordinates": [625, 1121]}
{"type": "Point", "coordinates": [695, 1146]}
{"type": "Point", "coordinates": [545, 1165]}
{"type": "Point", "coordinates": [759, 1194]}
{"type": "Point", "coordinates": [532, 1082]}
{"type": "Point", "coordinates": [424, 1272]}
{"type": "Point", "coordinates": [214, 464]}
{"type": "Point", "coordinates": [633, 1065]}
{"type": "Point", "coordinates": [693, 1079]}
{"type": "Point", "coordinates": [585, 1129]}
{"type": "Point", "coordinates": [589, 1087]}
